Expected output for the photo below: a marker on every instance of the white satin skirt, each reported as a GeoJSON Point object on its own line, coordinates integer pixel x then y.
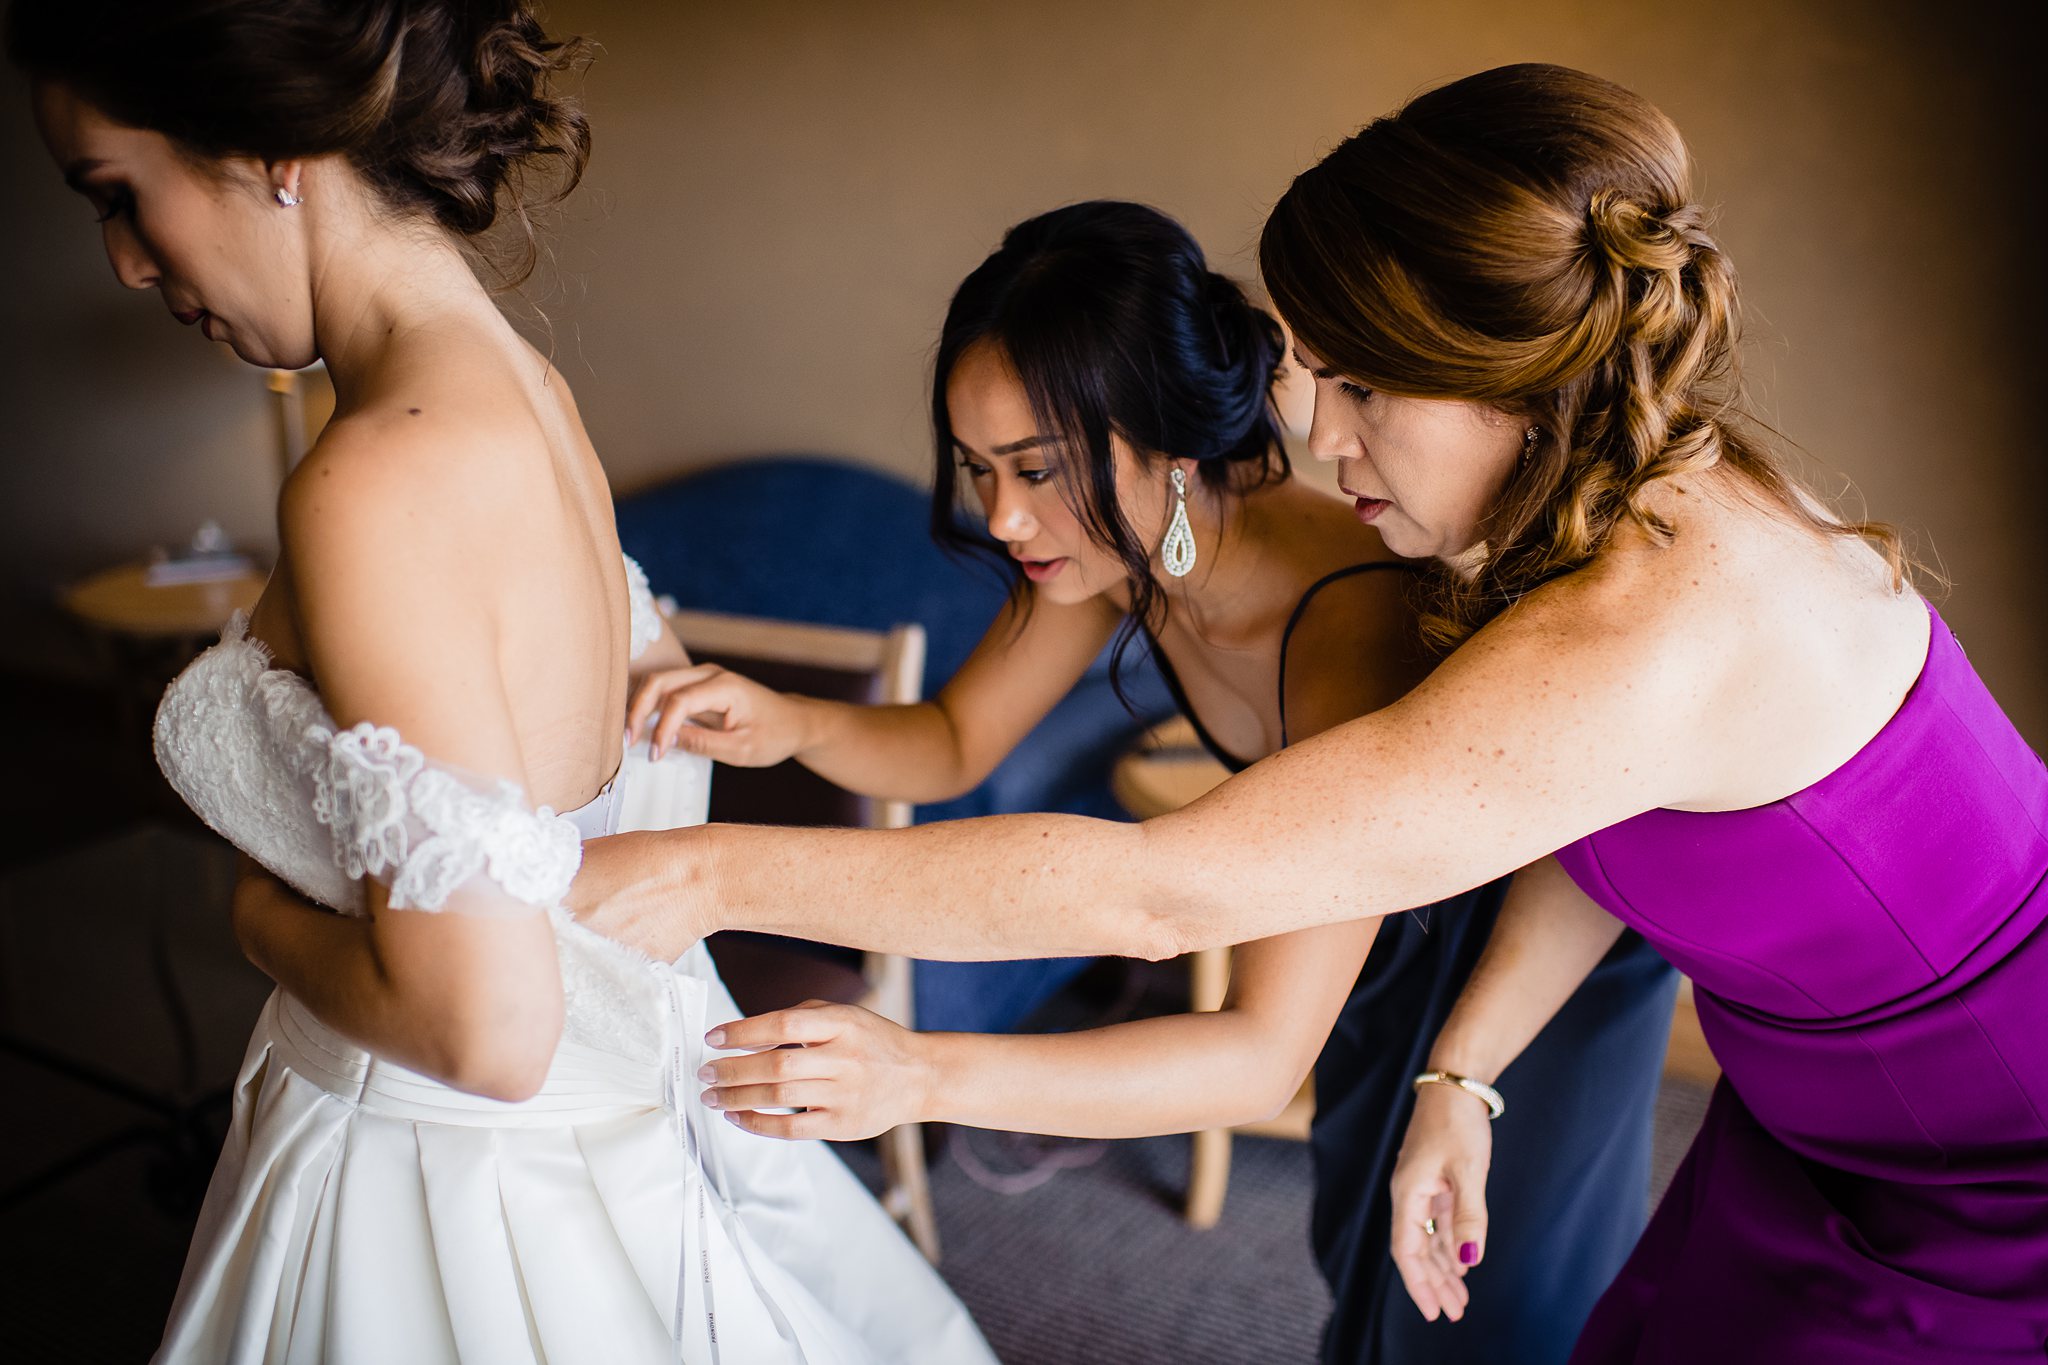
{"type": "Point", "coordinates": [363, 1214]}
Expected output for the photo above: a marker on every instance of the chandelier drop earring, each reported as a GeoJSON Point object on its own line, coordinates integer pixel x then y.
{"type": "Point", "coordinates": [1177, 551]}
{"type": "Point", "coordinates": [286, 199]}
{"type": "Point", "coordinates": [1529, 440]}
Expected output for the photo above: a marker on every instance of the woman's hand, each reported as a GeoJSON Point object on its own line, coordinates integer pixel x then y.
{"type": "Point", "coordinates": [852, 1073]}
{"type": "Point", "coordinates": [757, 727]}
{"type": "Point", "coordinates": [1441, 1176]}
{"type": "Point", "coordinates": [645, 890]}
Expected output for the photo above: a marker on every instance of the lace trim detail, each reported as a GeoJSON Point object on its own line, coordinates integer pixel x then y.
{"type": "Point", "coordinates": [646, 624]}
{"type": "Point", "coordinates": [428, 834]}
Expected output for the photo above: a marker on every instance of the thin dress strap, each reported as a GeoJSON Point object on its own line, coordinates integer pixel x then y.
{"type": "Point", "coordinates": [1180, 700]}
{"type": "Point", "coordinates": [1301, 610]}
{"type": "Point", "coordinates": [1179, 693]}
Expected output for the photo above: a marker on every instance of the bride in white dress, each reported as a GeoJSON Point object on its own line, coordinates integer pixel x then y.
{"type": "Point", "coordinates": [466, 1129]}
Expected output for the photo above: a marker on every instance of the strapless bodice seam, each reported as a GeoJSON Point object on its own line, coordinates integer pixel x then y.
{"type": "Point", "coordinates": [1592, 846]}
{"type": "Point", "coordinates": [1996, 941]}
{"type": "Point", "coordinates": [2004, 1062]}
{"type": "Point", "coordinates": [1906, 1106]}
{"type": "Point", "coordinates": [1991, 761]}
{"type": "Point", "coordinates": [580, 1077]}
{"type": "Point", "coordinates": [1797, 810]}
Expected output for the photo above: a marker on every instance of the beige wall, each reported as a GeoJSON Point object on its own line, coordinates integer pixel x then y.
{"type": "Point", "coordinates": [783, 196]}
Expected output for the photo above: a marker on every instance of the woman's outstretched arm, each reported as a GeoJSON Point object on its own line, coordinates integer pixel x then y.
{"type": "Point", "coordinates": [1555, 720]}
{"type": "Point", "coordinates": [922, 751]}
{"type": "Point", "coordinates": [856, 1074]}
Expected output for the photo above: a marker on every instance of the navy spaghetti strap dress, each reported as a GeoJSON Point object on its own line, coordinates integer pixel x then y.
{"type": "Point", "coordinates": [1568, 1194]}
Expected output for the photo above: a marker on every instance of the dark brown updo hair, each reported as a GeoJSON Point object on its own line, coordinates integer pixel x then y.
{"type": "Point", "coordinates": [446, 107]}
{"type": "Point", "coordinates": [1115, 325]}
{"type": "Point", "coordinates": [1527, 238]}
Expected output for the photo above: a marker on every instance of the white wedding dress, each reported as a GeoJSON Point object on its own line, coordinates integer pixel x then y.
{"type": "Point", "coordinates": [364, 1214]}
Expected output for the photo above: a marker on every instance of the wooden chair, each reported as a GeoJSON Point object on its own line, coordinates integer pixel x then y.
{"type": "Point", "coordinates": [763, 974]}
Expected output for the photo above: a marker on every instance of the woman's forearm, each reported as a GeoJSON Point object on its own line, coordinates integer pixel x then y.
{"type": "Point", "coordinates": [483, 1032]}
{"type": "Point", "coordinates": [993, 888]}
{"type": "Point", "coordinates": [892, 752]}
{"type": "Point", "coordinates": [845, 1072]}
{"type": "Point", "coordinates": [1041, 885]}
{"type": "Point", "coordinates": [1011, 886]}
{"type": "Point", "coordinates": [1173, 1074]}
{"type": "Point", "coordinates": [1454, 785]}
{"type": "Point", "coordinates": [1548, 938]}
{"type": "Point", "coordinates": [326, 960]}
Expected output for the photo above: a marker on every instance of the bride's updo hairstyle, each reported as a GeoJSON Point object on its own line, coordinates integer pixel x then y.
{"type": "Point", "coordinates": [447, 108]}
{"type": "Point", "coordinates": [1527, 238]}
{"type": "Point", "coordinates": [1113, 321]}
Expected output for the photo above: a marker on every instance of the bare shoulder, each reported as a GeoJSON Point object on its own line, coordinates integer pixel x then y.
{"type": "Point", "coordinates": [1572, 661]}
{"type": "Point", "coordinates": [415, 470]}
{"type": "Point", "coordinates": [1714, 586]}
{"type": "Point", "coordinates": [1618, 665]}
{"type": "Point", "coordinates": [393, 528]}
{"type": "Point", "coordinates": [1750, 654]}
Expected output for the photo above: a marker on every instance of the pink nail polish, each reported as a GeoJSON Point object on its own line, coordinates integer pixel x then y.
{"type": "Point", "coordinates": [715, 1038]}
{"type": "Point", "coordinates": [710, 1098]}
{"type": "Point", "coordinates": [1468, 1253]}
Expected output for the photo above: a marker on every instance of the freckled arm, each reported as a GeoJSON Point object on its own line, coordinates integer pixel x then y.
{"type": "Point", "coordinates": [1520, 743]}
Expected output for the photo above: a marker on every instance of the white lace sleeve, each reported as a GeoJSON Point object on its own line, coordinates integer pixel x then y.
{"type": "Point", "coordinates": [438, 838]}
{"type": "Point", "coordinates": [646, 615]}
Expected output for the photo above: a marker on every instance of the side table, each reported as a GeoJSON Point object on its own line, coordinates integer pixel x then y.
{"type": "Point", "coordinates": [145, 634]}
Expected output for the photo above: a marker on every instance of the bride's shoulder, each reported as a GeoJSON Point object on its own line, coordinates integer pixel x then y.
{"type": "Point", "coordinates": [395, 528]}
{"type": "Point", "coordinates": [430, 475]}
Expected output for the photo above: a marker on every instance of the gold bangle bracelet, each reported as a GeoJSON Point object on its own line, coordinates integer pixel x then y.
{"type": "Point", "coordinates": [1478, 1090]}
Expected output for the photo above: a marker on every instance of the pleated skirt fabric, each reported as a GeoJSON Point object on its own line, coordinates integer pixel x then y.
{"type": "Point", "coordinates": [362, 1214]}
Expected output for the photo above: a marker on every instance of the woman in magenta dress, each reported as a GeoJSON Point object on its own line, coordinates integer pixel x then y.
{"type": "Point", "coordinates": [1683, 694]}
{"type": "Point", "coordinates": [1870, 959]}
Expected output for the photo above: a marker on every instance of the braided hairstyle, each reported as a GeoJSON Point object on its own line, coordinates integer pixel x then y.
{"type": "Point", "coordinates": [1527, 238]}
{"type": "Point", "coordinates": [447, 108]}
{"type": "Point", "coordinates": [1114, 323]}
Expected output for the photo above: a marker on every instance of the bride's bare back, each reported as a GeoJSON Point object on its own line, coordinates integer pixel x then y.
{"type": "Point", "coordinates": [464, 471]}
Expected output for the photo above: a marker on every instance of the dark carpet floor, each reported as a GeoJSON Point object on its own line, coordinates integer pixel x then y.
{"type": "Point", "coordinates": [1091, 1263]}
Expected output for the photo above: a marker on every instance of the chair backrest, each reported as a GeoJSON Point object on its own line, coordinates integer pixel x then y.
{"type": "Point", "coordinates": [836, 662]}
{"type": "Point", "coordinates": [844, 664]}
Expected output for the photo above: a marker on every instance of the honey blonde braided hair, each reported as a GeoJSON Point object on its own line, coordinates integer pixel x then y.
{"type": "Point", "coordinates": [1528, 238]}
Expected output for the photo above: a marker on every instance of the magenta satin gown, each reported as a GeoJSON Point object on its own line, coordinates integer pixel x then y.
{"type": "Point", "coordinates": [1871, 965]}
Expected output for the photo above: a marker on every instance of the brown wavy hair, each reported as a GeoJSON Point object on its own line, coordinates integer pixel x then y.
{"type": "Point", "coordinates": [448, 108]}
{"type": "Point", "coordinates": [1527, 238]}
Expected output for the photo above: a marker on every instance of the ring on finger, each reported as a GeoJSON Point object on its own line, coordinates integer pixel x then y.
{"type": "Point", "coordinates": [1429, 1227]}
